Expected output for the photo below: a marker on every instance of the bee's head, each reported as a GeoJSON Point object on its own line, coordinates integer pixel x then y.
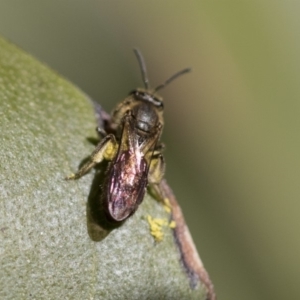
{"type": "Point", "coordinates": [148, 97]}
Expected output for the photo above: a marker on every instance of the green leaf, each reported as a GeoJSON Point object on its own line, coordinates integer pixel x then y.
{"type": "Point", "coordinates": [45, 248]}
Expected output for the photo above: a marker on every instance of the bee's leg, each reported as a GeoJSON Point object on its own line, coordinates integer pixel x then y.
{"type": "Point", "coordinates": [159, 148]}
{"type": "Point", "coordinates": [106, 149]}
{"type": "Point", "coordinates": [155, 176]}
{"type": "Point", "coordinates": [101, 132]}
{"type": "Point", "coordinates": [157, 169]}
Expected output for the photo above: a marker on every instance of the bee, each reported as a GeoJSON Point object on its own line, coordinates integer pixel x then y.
{"type": "Point", "coordinates": [131, 143]}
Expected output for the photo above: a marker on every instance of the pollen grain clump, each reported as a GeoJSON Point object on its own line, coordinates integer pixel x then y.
{"type": "Point", "coordinates": [156, 227]}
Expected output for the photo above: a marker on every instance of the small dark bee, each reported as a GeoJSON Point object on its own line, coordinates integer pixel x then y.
{"type": "Point", "coordinates": [130, 141]}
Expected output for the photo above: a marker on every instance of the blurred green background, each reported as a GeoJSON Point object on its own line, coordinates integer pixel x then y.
{"type": "Point", "coordinates": [232, 125]}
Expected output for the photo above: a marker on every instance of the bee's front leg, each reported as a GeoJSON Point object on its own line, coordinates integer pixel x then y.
{"type": "Point", "coordinates": [101, 132]}
{"type": "Point", "coordinates": [106, 149]}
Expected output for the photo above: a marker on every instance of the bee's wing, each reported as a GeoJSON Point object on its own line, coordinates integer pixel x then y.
{"type": "Point", "coordinates": [128, 173]}
{"type": "Point", "coordinates": [126, 188]}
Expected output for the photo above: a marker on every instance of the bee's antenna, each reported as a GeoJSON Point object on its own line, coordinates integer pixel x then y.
{"type": "Point", "coordinates": [187, 70]}
{"type": "Point", "coordinates": [142, 67]}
